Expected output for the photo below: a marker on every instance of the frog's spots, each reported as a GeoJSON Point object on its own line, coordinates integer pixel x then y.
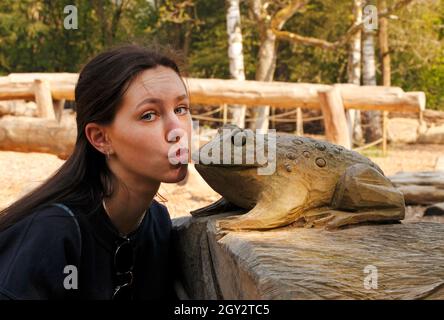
{"type": "Point", "coordinates": [287, 167]}
{"type": "Point", "coordinates": [320, 162]}
{"type": "Point", "coordinates": [297, 141]}
{"type": "Point", "coordinates": [320, 146]}
{"type": "Point", "coordinates": [306, 154]}
{"type": "Point", "coordinates": [290, 156]}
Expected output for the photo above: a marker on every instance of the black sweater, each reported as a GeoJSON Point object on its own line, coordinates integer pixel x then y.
{"type": "Point", "coordinates": [39, 252]}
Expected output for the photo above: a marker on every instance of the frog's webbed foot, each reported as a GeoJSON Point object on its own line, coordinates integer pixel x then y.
{"type": "Point", "coordinates": [334, 219]}
{"type": "Point", "coordinates": [362, 194]}
{"type": "Point", "coordinates": [220, 206]}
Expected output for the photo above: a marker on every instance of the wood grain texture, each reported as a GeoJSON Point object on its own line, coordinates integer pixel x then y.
{"type": "Point", "coordinates": [424, 188]}
{"type": "Point", "coordinates": [299, 263]}
{"type": "Point", "coordinates": [30, 134]}
{"type": "Point", "coordinates": [244, 92]}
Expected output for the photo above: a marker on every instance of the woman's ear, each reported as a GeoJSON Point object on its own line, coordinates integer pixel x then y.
{"type": "Point", "coordinates": [98, 137]}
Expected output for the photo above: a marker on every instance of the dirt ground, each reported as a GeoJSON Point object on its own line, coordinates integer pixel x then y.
{"type": "Point", "coordinates": [20, 172]}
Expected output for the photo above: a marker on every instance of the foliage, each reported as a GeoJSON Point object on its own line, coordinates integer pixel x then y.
{"type": "Point", "coordinates": [33, 39]}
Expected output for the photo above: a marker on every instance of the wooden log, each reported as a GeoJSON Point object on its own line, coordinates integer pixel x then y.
{"type": "Point", "coordinates": [43, 98]}
{"type": "Point", "coordinates": [18, 108]}
{"type": "Point", "coordinates": [432, 135]}
{"type": "Point", "coordinates": [422, 195]}
{"type": "Point", "coordinates": [424, 178]}
{"type": "Point", "coordinates": [51, 77]}
{"type": "Point", "coordinates": [58, 109]}
{"type": "Point", "coordinates": [429, 116]}
{"type": "Point", "coordinates": [420, 188]}
{"type": "Point", "coordinates": [25, 91]}
{"type": "Point", "coordinates": [439, 165]}
{"type": "Point", "coordinates": [363, 262]}
{"type": "Point", "coordinates": [336, 129]}
{"type": "Point", "coordinates": [299, 122]}
{"type": "Point", "coordinates": [435, 210]}
{"type": "Point", "coordinates": [289, 95]}
{"type": "Point", "coordinates": [250, 93]}
{"type": "Point", "coordinates": [27, 134]}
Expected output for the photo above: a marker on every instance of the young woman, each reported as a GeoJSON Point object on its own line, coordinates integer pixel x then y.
{"type": "Point", "coordinates": [94, 230]}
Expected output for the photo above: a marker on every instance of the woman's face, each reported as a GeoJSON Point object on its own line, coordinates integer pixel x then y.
{"type": "Point", "coordinates": [153, 121]}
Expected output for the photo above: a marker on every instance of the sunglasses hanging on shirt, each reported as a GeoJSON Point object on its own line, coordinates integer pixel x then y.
{"type": "Point", "coordinates": [124, 265]}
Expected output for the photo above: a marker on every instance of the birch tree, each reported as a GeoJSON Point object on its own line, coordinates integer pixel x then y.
{"type": "Point", "coordinates": [235, 55]}
{"type": "Point", "coordinates": [268, 21]}
{"type": "Point", "coordinates": [373, 118]}
{"type": "Point", "coordinates": [354, 73]}
{"type": "Point", "coordinates": [270, 27]}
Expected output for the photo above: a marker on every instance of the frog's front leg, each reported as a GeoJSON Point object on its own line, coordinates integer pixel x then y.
{"type": "Point", "coordinates": [363, 194]}
{"type": "Point", "coordinates": [269, 214]}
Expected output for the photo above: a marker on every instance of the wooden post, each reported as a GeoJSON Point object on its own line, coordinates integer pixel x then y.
{"type": "Point", "coordinates": [384, 132]}
{"type": "Point", "coordinates": [43, 98]}
{"type": "Point", "coordinates": [299, 122]}
{"type": "Point", "coordinates": [224, 108]}
{"type": "Point", "coordinates": [273, 113]}
{"type": "Point", "coordinates": [58, 109]}
{"type": "Point", "coordinates": [336, 129]}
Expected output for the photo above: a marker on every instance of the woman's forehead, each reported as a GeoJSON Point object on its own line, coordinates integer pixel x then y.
{"type": "Point", "coordinates": [158, 81]}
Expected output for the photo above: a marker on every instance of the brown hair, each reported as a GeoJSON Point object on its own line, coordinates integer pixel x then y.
{"type": "Point", "coordinates": [84, 179]}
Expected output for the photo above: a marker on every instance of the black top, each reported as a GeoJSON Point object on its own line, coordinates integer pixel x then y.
{"type": "Point", "coordinates": [38, 253]}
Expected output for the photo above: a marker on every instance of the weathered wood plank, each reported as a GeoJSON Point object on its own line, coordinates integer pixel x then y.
{"type": "Point", "coordinates": [298, 263]}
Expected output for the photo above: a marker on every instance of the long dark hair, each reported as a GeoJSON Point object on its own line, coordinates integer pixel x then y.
{"type": "Point", "coordinates": [84, 179]}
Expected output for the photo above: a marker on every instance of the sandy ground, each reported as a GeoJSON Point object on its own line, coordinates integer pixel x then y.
{"type": "Point", "coordinates": [20, 172]}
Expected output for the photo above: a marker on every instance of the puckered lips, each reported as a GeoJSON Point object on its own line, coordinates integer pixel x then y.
{"type": "Point", "coordinates": [181, 156]}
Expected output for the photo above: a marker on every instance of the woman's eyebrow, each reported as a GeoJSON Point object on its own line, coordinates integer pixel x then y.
{"type": "Point", "coordinates": [159, 101]}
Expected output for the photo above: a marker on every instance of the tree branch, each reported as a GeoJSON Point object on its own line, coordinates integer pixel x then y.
{"type": "Point", "coordinates": [282, 16]}
{"type": "Point", "coordinates": [310, 41]}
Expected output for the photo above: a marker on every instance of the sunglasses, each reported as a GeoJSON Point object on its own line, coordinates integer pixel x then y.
{"type": "Point", "coordinates": [123, 265]}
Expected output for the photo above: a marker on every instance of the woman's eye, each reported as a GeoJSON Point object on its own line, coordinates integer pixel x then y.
{"type": "Point", "coordinates": [149, 116]}
{"type": "Point", "coordinates": [182, 110]}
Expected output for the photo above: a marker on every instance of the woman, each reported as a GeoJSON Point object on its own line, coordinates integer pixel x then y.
{"type": "Point", "coordinates": [93, 230]}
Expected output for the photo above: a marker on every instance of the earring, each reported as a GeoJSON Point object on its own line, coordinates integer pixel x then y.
{"type": "Point", "coordinates": [107, 155]}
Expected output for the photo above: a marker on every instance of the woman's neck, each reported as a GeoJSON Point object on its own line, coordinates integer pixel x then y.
{"type": "Point", "coordinates": [126, 207]}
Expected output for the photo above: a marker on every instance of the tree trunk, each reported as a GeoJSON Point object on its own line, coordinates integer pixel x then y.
{"type": "Point", "coordinates": [383, 46]}
{"type": "Point", "coordinates": [235, 54]}
{"type": "Point", "coordinates": [372, 118]}
{"type": "Point", "coordinates": [385, 63]}
{"type": "Point", "coordinates": [265, 72]}
{"type": "Point", "coordinates": [354, 75]}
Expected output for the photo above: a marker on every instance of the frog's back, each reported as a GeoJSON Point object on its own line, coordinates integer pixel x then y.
{"type": "Point", "coordinates": [322, 153]}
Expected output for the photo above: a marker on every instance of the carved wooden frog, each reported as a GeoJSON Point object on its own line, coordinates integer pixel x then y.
{"type": "Point", "coordinates": [315, 183]}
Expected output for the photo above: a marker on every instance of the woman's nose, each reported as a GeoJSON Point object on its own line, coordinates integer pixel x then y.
{"type": "Point", "coordinates": [174, 129]}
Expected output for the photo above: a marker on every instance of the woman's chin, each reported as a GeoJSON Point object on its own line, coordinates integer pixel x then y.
{"type": "Point", "coordinates": [176, 174]}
